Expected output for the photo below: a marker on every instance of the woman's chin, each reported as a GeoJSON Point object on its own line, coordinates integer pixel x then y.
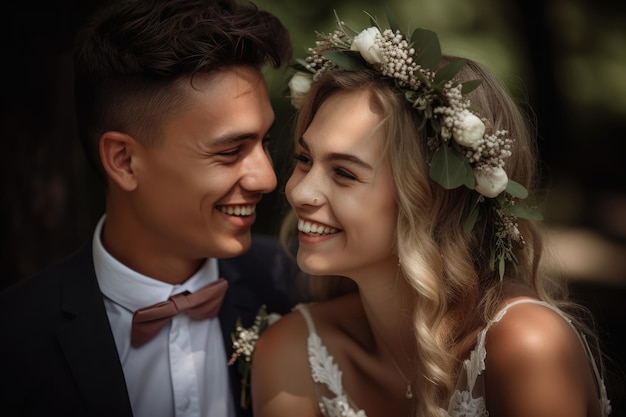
{"type": "Point", "coordinates": [312, 265]}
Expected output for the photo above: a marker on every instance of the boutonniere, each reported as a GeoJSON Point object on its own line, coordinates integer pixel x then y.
{"type": "Point", "coordinates": [244, 343]}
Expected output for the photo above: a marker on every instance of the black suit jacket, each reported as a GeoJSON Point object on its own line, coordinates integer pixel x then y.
{"type": "Point", "coordinates": [58, 356]}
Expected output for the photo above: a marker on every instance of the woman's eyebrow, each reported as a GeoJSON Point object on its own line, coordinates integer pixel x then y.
{"type": "Point", "coordinates": [336, 156]}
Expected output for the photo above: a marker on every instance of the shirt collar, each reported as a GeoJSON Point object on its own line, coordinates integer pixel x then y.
{"type": "Point", "coordinates": [133, 290]}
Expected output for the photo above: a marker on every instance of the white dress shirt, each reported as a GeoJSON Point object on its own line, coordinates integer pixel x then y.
{"type": "Point", "coordinates": [183, 371]}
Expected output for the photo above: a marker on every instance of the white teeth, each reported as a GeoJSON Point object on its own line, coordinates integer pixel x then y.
{"type": "Point", "coordinates": [237, 210]}
{"type": "Point", "coordinates": [315, 228]}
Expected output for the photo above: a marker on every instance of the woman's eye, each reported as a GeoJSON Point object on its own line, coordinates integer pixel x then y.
{"type": "Point", "coordinates": [344, 174]}
{"type": "Point", "coordinates": [302, 158]}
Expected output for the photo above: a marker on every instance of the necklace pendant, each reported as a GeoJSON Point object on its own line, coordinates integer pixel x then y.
{"type": "Point", "coordinates": [409, 392]}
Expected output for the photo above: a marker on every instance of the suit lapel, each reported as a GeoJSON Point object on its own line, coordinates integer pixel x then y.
{"type": "Point", "coordinates": [87, 342]}
{"type": "Point", "coordinates": [239, 303]}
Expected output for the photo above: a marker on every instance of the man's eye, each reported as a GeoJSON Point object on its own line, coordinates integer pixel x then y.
{"type": "Point", "coordinates": [230, 152]}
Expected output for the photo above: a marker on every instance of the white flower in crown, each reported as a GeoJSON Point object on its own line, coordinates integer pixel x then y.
{"type": "Point", "coordinates": [299, 85]}
{"type": "Point", "coordinates": [490, 182]}
{"type": "Point", "coordinates": [365, 43]}
{"type": "Point", "coordinates": [469, 131]}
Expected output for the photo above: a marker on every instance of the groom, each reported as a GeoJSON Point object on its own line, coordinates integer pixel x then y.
{"type": "Point", "coordinates": [174, 114]}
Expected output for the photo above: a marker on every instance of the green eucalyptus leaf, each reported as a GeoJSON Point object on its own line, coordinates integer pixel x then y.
{"type": "Point", "coordinates": [420, 77]}
{"type": "Point", "coordinates": [373, 21]}
{"type": "Point", "coordinates": [449, 71]}
{"type": "Point", "coordinates": [516, 189]}
{"type": "Point", "coordinates": [428, 115]}
{"type": "Point", "coordinates": [524, 212]}
{"type": "Point", "coordinates": [469, 86]}
{"type": "Point", "coordinates": [501, 267]}
{"type": "Point", "coordinates": [450, 169]}
{"type": "Point", "coordinates": [349, 31]}
{"type": "Point", "coordinates": [471, 219]}
{"type": "Point", "coordinates": [348, 60]}
{"type": "Point", "coordinates": [422, 123]}
{"type": "Point", "coordinates": [391, 18]}
{"type": "Point", "coordinates": [411, 95]}
{"type": "Point", "coordinates": [428, 49]}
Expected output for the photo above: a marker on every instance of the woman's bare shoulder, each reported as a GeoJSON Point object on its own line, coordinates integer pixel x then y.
{"type": "Point", "coordinates": [281, 377]}
{"type": "Point", "coordinates": [532, 331]}
{"type": "Point", "coordinates": [284, 342]}
{"type": "Point", "coordinates": [536, 364]}
{"type": "Point", "coordinates": [282, 384]}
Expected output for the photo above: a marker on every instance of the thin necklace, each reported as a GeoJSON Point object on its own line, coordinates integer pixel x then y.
{"type": "Point", "coordinates": [408, 394]}
{"type": "Point", "coordinates": [409, 391]}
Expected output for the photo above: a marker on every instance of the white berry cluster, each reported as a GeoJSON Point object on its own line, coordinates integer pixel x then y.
{"type": "Point", "coordinates": [510, 228]}
{"type": "Point", "coordinates": [507, 230]}
{"type": "Point", "coordinates": [398, 61]}
{"type": "Point", "coordinates": [491, 152]}
{"type": "Point", "coordinates": [246, 342]}
{"type": "Point", "coordinates": [316, 61]}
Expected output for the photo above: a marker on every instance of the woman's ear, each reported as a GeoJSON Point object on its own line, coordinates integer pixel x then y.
{"type": "Point", "coordinates": [116, 153]}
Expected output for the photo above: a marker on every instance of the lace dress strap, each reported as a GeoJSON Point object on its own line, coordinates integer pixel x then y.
{"type": "Point", "coordinates": [468, 400]}
{"type": "Point", "coordinates": [331, 398]}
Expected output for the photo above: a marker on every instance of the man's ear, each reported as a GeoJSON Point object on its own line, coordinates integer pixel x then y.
{"type": "Point", "coordinates": [116, 153]}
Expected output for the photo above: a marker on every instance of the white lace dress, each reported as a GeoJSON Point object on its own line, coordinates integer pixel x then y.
{"type": "Point", "coordinates": [468, 399]}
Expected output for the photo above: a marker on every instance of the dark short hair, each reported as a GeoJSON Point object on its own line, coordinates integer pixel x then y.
{"type": "Point", "coordinates": [131, 57]}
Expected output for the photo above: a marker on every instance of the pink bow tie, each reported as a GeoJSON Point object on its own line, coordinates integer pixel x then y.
{"type": "Point", "coordinates": [202, 304]}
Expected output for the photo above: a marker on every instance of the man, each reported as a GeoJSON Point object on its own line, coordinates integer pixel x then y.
{"type": "Point", "coordinates": [174, 113]}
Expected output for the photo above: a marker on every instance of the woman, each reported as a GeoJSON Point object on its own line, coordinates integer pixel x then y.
{"type": "Point", "coordinates": [409, 193]}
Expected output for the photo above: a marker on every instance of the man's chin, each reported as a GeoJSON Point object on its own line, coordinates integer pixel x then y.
{"type": "Point", "coordinates": [236, 247]}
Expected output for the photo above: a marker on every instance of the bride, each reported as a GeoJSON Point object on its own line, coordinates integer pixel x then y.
{"type": "Point", "coordinates": [412, 198]}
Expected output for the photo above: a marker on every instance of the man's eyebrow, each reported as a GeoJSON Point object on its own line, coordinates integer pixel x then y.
{"type": "Point", "coordinates": [230, 138]}
{"type": "Point", "coordinates": [336, 156]}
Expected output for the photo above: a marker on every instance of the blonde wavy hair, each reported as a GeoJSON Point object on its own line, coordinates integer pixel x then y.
{"type": "Point", "coordinates": [455, 290]}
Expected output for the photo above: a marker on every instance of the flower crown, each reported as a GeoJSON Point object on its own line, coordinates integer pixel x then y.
{"type": "Point", "coordinates": [464, 154]}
